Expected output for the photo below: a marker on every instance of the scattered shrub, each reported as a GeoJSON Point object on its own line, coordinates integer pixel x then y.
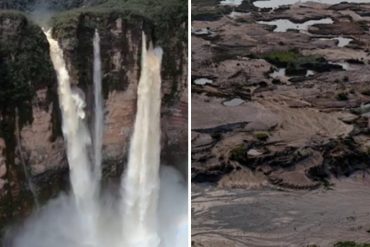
{"type": "Point", "coordinates": [261, 135]}
{"type": "Point", "coordinates": [238, 153]}
{"type": "Point", "coordinates": [296, 63]}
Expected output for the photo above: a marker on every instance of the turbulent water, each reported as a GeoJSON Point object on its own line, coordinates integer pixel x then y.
{"type": "Point", "coordinates": [74, 130]}
{"type": "Point", "coordinates": [151, 209]}
{"type": "Point", "coordinates": [141, 184]}
{"type": "Point", "coordinates": [77, 140]}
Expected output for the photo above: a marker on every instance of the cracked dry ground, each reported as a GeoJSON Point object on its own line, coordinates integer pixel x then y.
{"type": "Point", "coordinates": [280, 126]}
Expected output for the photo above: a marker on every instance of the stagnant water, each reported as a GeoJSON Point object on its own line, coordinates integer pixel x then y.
{"type": "Point", "coordinates": [150, 208]}
{"type": "Point", "coordinates": [231, 2]}
{"type": "Point", "coordinates": [341, 41]}
{"type": "Point", "coordinates": [283, 25]}
{"type": "Point", "coordinates": [203, 81]}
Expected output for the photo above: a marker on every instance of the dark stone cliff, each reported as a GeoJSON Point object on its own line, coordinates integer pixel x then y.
{"type": "Point", "coordinates": [31, 142]}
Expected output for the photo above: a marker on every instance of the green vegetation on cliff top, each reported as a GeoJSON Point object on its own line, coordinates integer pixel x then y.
{"type": "Point", "coordinates": [161, 12]}
{"type": "Point", "coordinates": [24, 64]}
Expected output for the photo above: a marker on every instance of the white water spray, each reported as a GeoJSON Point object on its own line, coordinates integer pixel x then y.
{"type": "Point", "coordinates": [84, 219]}
{"type": "Point", "coordinates": [74, 130]}
{"type": "Point", "coordinates": [77, 139]}
{"type": "Point", "coordinates": [140, 186]}
{"type": "Point", "coordinates": [98, 104]}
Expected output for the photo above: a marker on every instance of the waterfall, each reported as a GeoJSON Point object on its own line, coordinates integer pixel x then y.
{"type": "Point", "coordinates": [74, 130]}
{"type": "Point", "coordinates": [144, 215]}
{"type": "Point", "coordinates": [77, 140]}
{"type": "Point", "coordinates": [140, 184]}
{"type": "Point", "coordinates": [98, 104]}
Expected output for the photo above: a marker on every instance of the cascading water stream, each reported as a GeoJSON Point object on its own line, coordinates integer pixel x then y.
{"type": "Point", "coordinates": [146, 215]}
{"type": "Point", "coordinates": [140, 185]}
{"type": "Point", "coordinates": [77, 140]}
{"type": "Point", "coordinates": [98, 104]}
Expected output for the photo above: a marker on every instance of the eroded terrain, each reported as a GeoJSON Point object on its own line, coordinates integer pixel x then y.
{"type": "Point", "coordinates": [280, 112]}
{"type": "Point", "coordinates": [236, 217]}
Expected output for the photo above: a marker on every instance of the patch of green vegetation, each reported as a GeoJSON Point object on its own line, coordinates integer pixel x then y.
{"type": "Point", "coordinates": [164, 22]}
{"type": "Point", "coordinates": [282, 58]}
{"type": "Point", "coordinates": [208, 10]}
{"type": "Point", "coordinates": [262, 135]}
{"type": "Point", "coordinates": [342, 96]}
{"type": "Point", "coordinates": [351, 244]}
{"type": "Point", "coordinates": [238, 153]}
{"type": "Point", "coordinates": [294, 62]}
{"type": "Point", "coordinates": [165, 14]}
{"type": "Point", "coordinates": [24, 65]}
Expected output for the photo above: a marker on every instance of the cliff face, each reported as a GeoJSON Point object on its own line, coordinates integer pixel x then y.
{"type": "Point", "coordinates": [31, 143]}
{"type": "Point", "coordinates": [121, 38]}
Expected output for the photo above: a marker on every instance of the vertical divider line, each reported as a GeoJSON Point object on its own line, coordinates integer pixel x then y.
{"type": "Point", "coordinates": [189, 123]}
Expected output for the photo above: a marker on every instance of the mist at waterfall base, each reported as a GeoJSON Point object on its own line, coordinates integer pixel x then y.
{"type": "Point", "coordinates": [58, 223]}
{"type": "Point", "coordinates": [150, 207]}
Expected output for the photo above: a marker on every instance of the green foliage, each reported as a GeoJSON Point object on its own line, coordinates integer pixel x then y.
{"type": "Point", "coordinates": [238, 153]}
{"type": "Point", "coordinates": [294, 62]}
{"type": "Point", "coordinates": [24, 64]}
{"type": "Point", "coordinates": [208, 10]}
{"type": "Point", "coordinates": [261, 135]}
{"type": "Point", "coordinates": [282, 58]}
{"type": "Point", "coordinates": [164, 22]}
{"type": "Point", "coordinates": [165, 14]}
{"type": "Point", "coordinates": [350, 244]}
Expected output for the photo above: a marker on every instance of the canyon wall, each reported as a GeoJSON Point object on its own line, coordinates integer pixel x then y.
{"type": "Point", "coordinates": [31, 143]}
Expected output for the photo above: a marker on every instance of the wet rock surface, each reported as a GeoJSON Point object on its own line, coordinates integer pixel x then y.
{"type": "Point", "coordinates": [295, 130]}
{"type": "Point", "coordinates": [31, 142]}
